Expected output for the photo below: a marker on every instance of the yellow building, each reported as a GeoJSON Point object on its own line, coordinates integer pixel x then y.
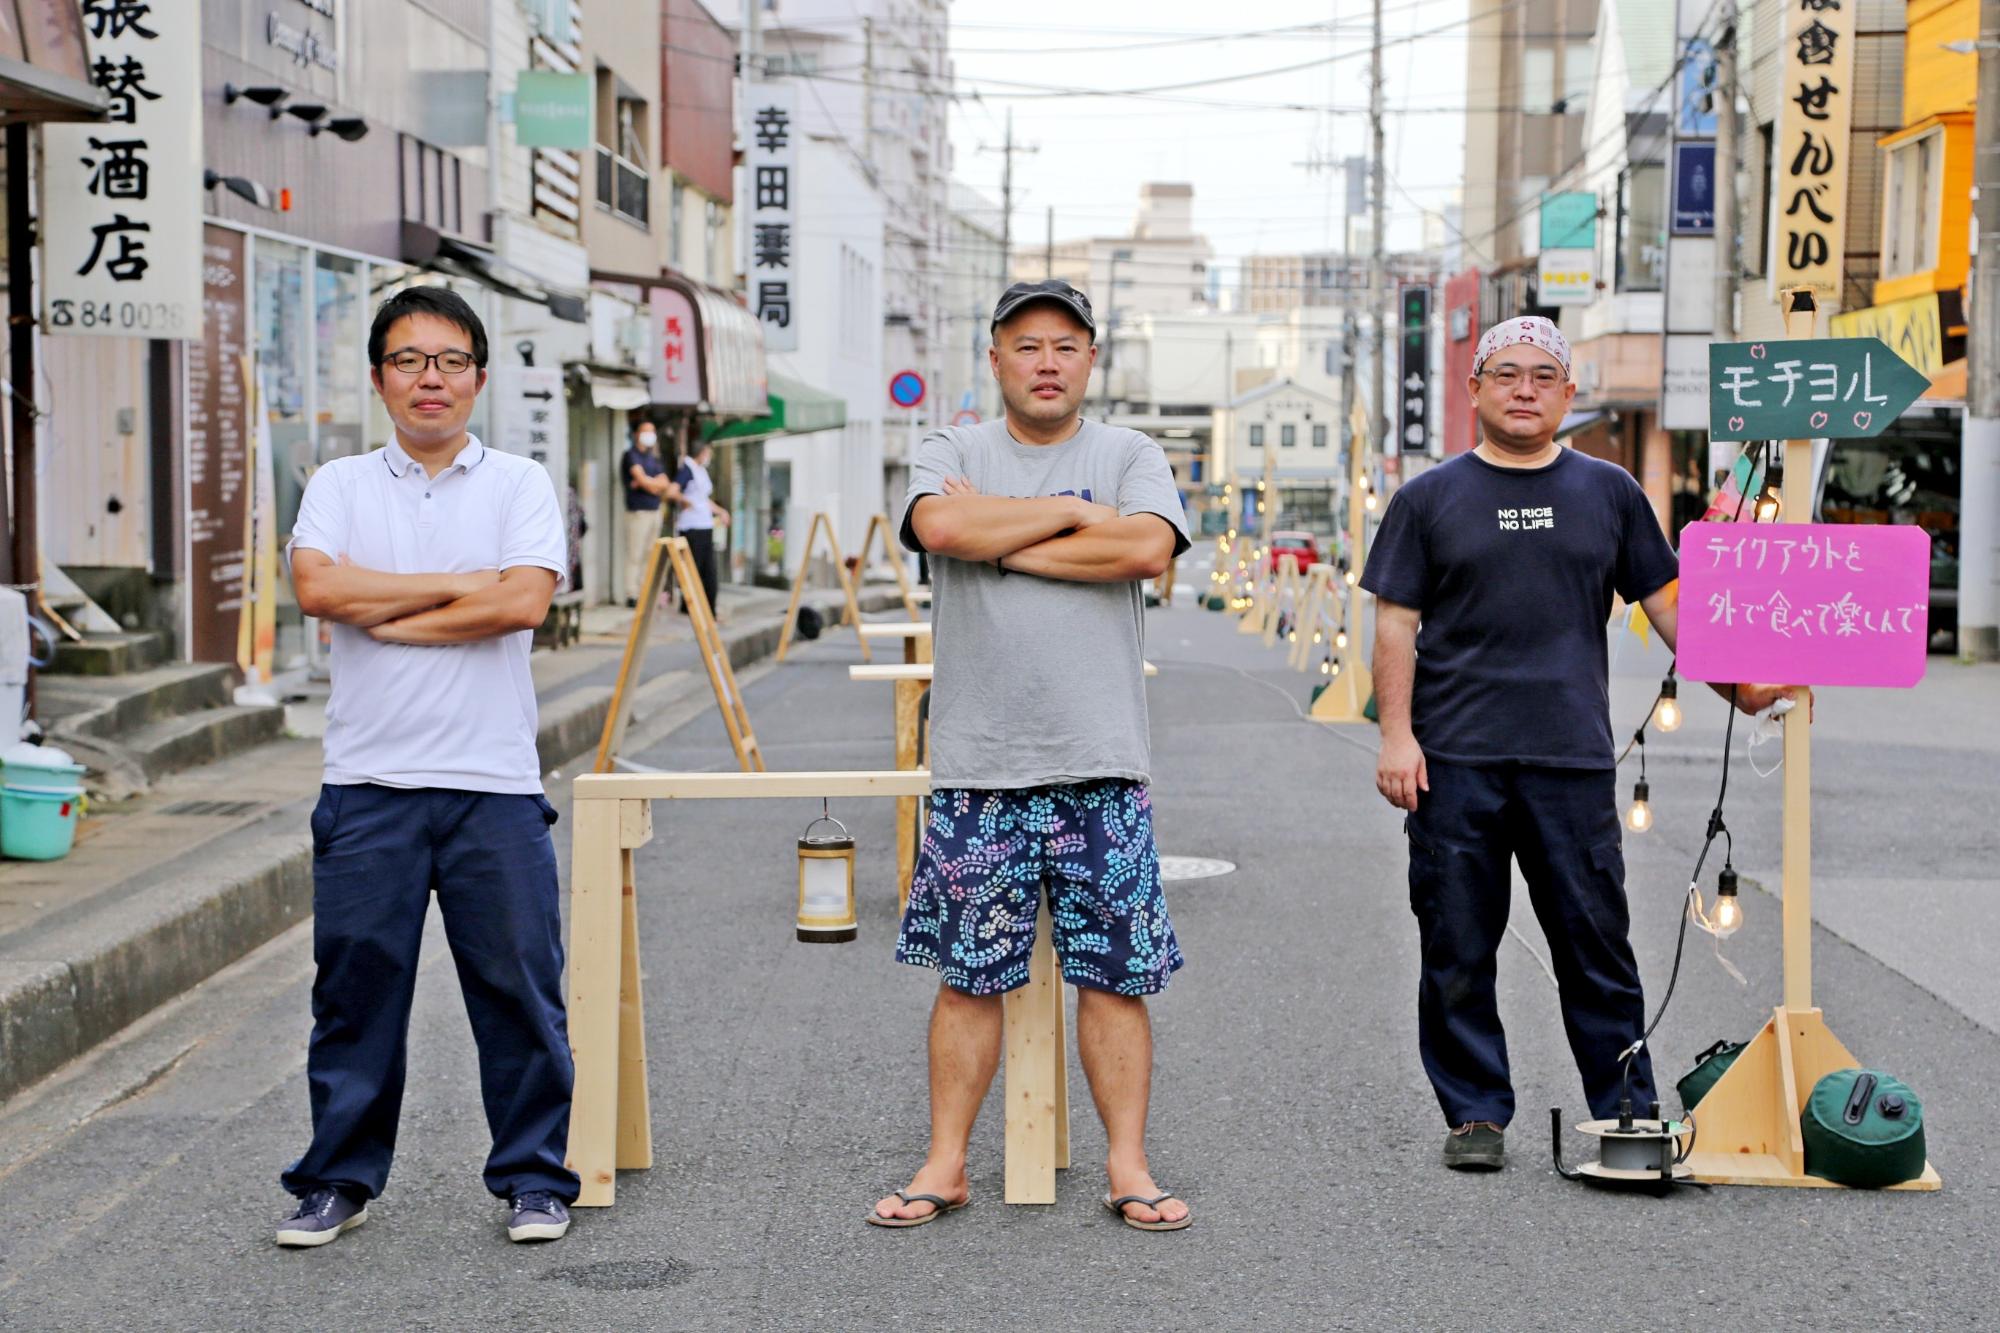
{"type": "Point", "coordinates": [1927, 175]}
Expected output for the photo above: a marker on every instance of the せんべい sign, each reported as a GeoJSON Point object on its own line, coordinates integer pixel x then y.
{"type": "Point", "coordinates": [1804, 603]}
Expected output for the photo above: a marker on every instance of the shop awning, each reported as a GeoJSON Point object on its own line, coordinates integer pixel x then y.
{"type": "Point", "coordinates": [1576, 421]}
{"type": "Point", "coordinates": [423, 244]}
{"type": "Point", "coordinates": [44, 69]}
{"type": "Point", "coordinates": [795, 409]}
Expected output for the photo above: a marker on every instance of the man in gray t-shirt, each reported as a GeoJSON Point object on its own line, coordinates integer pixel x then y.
{"type": "Point", "coordinates": [1041, 528]}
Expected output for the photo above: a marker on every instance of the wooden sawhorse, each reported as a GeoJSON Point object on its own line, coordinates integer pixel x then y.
{"type": "Point", "coordinates": [610, 1125]}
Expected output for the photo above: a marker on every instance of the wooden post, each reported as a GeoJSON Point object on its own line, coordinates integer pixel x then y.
{"type": "Point", "coordinates": [1037, 1134]}
{"type": "Point", "coordinates": [595, 964]}
{"type": "Point", "coordinates": [1747, 1127]}
{"type": "Point", "coordinates": [1287, 582]}
{"type": "Point", "coordinates": [909, 701]}
{"type": "Point", "coordinates": [635, 1112]}
{"type": "Point", "coordinates": [1346, 695]}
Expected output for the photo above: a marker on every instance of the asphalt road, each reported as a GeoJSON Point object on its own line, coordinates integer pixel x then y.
{"type": "Point", "coordinates": [788, 1082]}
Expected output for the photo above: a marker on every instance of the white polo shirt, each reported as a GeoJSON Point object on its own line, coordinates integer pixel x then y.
{"type": "Point", "coordinates": [461, 715]}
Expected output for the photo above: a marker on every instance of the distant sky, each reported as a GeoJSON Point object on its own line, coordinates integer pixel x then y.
{"type": "Point", "coordinates": [1252, 191]}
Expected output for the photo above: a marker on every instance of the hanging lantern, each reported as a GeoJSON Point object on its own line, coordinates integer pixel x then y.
{"type": "Point", "coordinates": [826, 884]}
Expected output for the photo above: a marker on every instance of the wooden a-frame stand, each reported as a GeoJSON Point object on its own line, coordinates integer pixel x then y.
{"type": "Point", "coordinates": [1747, 1126]}
{"type": "Point", "coordinates": [880, 523]}
{"type": "Point", "coordinates": [1286, 582]}
{"type": "Point", "coordinates": [610, 1124]}
{"type": "Point", "coordinates": [1317, 599]}
{"type": "Point", "coordinates": [851, 615]}
{"type": "Point", "coordinates": [672, 554]}
{"type": "Point", "coordinates": [1347, 694]}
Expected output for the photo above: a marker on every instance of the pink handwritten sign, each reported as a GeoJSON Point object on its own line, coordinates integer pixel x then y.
{"type": "Point", "coordinates": [1804, 603]}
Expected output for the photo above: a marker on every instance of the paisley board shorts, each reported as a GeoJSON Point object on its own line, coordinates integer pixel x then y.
{"type": "Point", "coordinates": [980, 874]}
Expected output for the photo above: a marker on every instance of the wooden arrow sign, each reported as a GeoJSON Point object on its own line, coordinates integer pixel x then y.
{"type": "Point", "coordinates": [1821, 388]}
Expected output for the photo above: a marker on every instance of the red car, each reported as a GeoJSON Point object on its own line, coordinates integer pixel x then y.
{"type": "Point", "coordinates": [1302, 547]}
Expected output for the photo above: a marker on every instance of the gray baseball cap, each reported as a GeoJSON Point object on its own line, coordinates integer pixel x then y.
{"type": "Point", "coordinates": [1051, 289]}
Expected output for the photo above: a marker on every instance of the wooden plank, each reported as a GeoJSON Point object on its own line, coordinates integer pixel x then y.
{"type": "Point", "coordinates": [592, 787]}
{"type": "Point", "coordinates": [635, 1110]}
{"type": "Point", "coordinates": [896, 629]}
{"type": "Point", "coordinates": [595, 927]}
{"type": "Point", "coordinates": [635, 824]}
{"type": "Point", "coordinates": [1790, 1147]}
{"type": "Point", "coordinates": [1030, 1024]}
{"type": "Point", "coordinates": [1801, 322]}
{"type": "Point", "coordinates": [715, 657]}
{"type": "Point", "coordinates": [1062, 1072]}
{"type": "Point", "coordinates": [891, 671]}
{"type": "Point", "coordinates": [798, 587]}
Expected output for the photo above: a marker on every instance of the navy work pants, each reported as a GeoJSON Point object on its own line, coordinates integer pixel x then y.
{"type": "Point", "coordinates": [378, 855]}
{"type": "Point", "coordinates": [1562, 826]}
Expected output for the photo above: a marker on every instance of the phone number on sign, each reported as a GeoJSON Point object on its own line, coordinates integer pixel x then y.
{"type": "Point", "coordinates": [122, 316]}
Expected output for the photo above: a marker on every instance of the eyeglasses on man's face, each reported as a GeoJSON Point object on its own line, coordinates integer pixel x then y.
{"type": "Point", "coordinates": [1509, 376]}
{"type": "Point", "coordinates": [412, 362]}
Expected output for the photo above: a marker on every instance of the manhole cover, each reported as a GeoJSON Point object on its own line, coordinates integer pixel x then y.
{"type": "Point", "coordinates": [624, 1274]}
{"type": "Point", "coordinates": [1193, 867]}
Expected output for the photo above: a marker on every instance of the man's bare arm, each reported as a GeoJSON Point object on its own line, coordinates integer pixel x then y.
{"type": "Point", "coordinates": [347, 594]}
{"type": "Point", "coordinates": [1118, 550]}
{"type": "Point", "coordinates": [1400, 770]}
{"type": "Point", "coordinates": [1665, 615]}
{"type": "Point", "coordinates": [966, 526]}
{"type": "Point", "coordinates": [518, 601]}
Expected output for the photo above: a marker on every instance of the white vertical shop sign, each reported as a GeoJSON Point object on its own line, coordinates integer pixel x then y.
{"type": "Point", "coordinates": [676, 350]}
{"type": "Point", "coordinates": [121, 201]}
{"type": "Point", "coordinates": [531, 419]}
{"type": "Point", "coordinates": [1814, 136]}
{"type": "Point", "coordinates": [772, 182]}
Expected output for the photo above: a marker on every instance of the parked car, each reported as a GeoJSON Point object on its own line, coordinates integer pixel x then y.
{"type": "Point", "coordinates": [1300, 546]}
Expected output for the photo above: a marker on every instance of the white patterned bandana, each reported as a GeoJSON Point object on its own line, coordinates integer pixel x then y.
{"type": "Point", "coordinates": [1529, 329]}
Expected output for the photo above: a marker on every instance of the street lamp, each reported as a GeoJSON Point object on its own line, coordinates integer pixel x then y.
{"type": "Point", "coordinates": [263, 94]}
{"type": "Point", "coordinates": [345, 128]}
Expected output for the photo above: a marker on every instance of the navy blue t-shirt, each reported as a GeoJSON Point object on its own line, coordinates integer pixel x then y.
{"type": "Point", "coordinates": [1512, 572]}
{"type": "Point", "coordinates": [648, 462]}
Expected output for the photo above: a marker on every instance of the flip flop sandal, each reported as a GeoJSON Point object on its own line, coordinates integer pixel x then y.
{"type": "Point", "coordinates": [1118, 1206]}
{"type": "Point", "coordinates": [938, 1207]}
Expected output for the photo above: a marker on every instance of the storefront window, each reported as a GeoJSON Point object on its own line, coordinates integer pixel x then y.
{"type": "Point", "coordinates": [339, 349]}
{"type": "Point", "coordinates": [282, 335]}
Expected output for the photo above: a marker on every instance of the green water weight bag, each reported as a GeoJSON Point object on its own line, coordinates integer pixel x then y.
{"type": "Point", "coordinates": [1863, 1128]}
{"type": "Point", "coordinates": [1709, 1067]}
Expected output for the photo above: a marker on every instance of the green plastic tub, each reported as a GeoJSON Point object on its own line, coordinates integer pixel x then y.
{"type": "Point", "coordinates": [38, 825]}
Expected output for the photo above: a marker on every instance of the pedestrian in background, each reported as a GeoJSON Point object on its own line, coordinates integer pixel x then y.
{"type": "Point", "coordinates": [646, 485]}
{"type": "Point", "coordinates": [1042, 527]}
{"type": "Point", "coordinates": [1495, 572]}
{"type": "Point", "coordinates": [434, 558]}
{"type": "Point", "coordinates": [698, 519]}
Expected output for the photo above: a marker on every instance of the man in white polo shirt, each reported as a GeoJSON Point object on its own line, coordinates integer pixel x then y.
{"type": "Point", "coordinates": [435, 559]}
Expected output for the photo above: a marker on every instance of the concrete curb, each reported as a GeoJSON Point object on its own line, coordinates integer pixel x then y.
{"type": "Point", "coordinates": [73, 980]}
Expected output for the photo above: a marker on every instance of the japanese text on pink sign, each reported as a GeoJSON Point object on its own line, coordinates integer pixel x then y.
{"type": "Point", "coordinates": [1804, 603]}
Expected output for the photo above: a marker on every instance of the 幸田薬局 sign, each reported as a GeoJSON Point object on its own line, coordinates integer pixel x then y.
{"type": "Point", "coordinates": [1804, 603]}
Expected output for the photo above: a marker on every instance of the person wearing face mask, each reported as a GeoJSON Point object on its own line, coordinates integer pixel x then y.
{"type": "Point", "coordinates": [1494, 574]}
{"type": "Point", "coordinates": [646, 485]}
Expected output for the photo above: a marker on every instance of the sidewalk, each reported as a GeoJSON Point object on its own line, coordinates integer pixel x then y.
{"type": "Point", "coordinates": [163, 890]}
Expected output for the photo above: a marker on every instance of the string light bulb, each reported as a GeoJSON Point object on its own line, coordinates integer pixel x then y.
{"type": "Point", "coordinates": [1667, 713]}
{"type": "Point", "coordinates": [1639, 815]}
{"type": "Point", "coordinates": [1769, 505]}
{"type": "Point", "coordinates": [1352, 578]}
{"type": "Point", "coordinates": [1340, 639]}
{"type": "Point", "coordinates": [1728, 907]}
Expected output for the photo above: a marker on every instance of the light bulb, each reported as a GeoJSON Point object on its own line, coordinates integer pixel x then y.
{"type": "Point", "coordinates": [1352, 578]}
{"type": "Point", "coordinates": [1260, 506]}
{"type": "Point", "coordinates": [1667, 717]}
{"type": "Point", "coordinates": [1292, 637]}
{"type": "Point", "coordinates": [1319, 636]}
{"type": "Point", "coordinates": [1728, 907]}
{"type": "Point", "coordinates": [1326, 668]}
{"type": "Point", "coordinates": [1369, 502]}
{"type": "Point", "coordinates": [1639, 816]}
{"type": "Point", "coordinates": [1340, 639]}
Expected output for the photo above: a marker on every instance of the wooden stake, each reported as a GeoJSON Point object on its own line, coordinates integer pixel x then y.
{"type": "Point", "coordinates": [595, 964]}
{"type": "Point", "coordinates": [1036, 1093]}
{"type": "Point", "coordinates": [909, 702]}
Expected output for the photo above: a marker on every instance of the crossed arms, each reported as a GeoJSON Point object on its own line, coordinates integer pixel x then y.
{"type": "Point", "coordinates": [1055, 537]}
{"type": "Point", "coordinates": [422, 608]}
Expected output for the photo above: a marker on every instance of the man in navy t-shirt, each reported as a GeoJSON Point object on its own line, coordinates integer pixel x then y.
{"type": "Point", "coordinates": [1494, 575]}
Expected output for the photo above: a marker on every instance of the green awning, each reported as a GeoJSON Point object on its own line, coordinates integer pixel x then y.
{"type": "Point", "coordinates": [796, 409]}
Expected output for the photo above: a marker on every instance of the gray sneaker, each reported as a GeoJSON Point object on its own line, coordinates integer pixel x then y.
{"type": "Point", "coordinates": [1478, 1146]}
{"type": "Point", "coordinates": [537, 1215]}
{"type": "Point", "coordinates": [322, 1216]}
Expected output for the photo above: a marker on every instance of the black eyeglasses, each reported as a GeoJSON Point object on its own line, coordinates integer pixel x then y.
{"type": "Point", "coordinates": [1544, 378]}
{"type": "Point", "coordinates": [413, 362]}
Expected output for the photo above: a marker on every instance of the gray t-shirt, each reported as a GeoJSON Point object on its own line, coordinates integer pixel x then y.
{"type": "Point", "coordinates": [1039, 681]}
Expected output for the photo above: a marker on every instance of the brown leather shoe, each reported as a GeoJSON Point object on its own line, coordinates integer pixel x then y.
{"type": "Point", "coordinates": [1477, 1146]}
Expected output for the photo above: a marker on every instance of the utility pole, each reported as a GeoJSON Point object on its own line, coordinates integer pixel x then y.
{"type": "Point", "coordinates": [1049, 244]}
{"type": "Point", "coordinates": [1727, 260]}
{"type": "Point", "coordinates": [748, 72]}
{"type": "Point", "coordinates": [1378, 275]}
{"type": "Point", "coordinates": [1007, 149]}
{"type": "Point", "coordinates": [1979, 466]}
